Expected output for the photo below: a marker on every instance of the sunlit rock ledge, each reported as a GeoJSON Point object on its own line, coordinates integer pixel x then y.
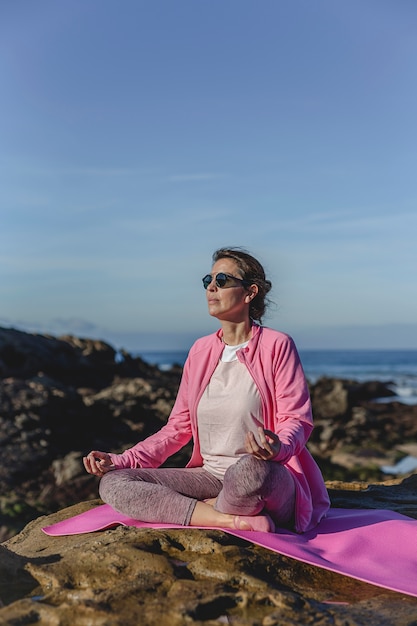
{"type": "Point", "coordinates": [61, 397]}
{"type": "Point", "coordinates": [129, 576]}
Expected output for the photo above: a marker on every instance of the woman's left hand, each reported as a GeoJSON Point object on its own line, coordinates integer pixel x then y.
{"type": "Point", "coordinates": [268, 447]}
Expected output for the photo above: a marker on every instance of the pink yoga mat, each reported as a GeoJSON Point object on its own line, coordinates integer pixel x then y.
{"type": "Point", "coordinates": [374, 546]}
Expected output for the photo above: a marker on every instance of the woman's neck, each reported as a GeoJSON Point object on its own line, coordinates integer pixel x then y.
{"type": "Point", "coordinates": [236, 333]}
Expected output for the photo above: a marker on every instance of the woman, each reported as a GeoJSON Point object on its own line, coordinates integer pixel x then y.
{"type": "Point", "coordinates": [244, 400]}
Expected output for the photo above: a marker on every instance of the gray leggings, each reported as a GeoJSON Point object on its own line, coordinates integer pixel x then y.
{"type": "Point", "coordinates": [169, 495]}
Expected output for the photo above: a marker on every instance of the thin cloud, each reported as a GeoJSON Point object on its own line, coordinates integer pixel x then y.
{"type": "Point", "coordinates": [55, 326]}
{"type": "Point", "coordinates": [73, 325]}
{"type": "Point", "coordinates": [5, 321]}
{"type": "Point", "coordinates": [344, 221]}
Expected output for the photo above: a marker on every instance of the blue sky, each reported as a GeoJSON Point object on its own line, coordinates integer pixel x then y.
{"type": "Point", "coordinates": [137, 137]}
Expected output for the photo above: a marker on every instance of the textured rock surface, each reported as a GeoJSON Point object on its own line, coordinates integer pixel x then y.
{"type": "Point", "coordinates": [129, 576]}
{"type": "Point", "coordinates": [62, 397]}
{"type": "Point", "coordinates": [355, 434]}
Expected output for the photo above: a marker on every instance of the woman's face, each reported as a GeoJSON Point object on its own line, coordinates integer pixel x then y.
{"type": "Point", "coordinates": [230, 303]}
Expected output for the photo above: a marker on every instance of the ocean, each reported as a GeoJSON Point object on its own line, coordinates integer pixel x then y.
{"type": "Point", "coordinates": [398, 367]}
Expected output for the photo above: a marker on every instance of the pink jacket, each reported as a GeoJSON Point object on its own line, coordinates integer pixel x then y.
{"type": "Point", "coordinates": [273, 362]}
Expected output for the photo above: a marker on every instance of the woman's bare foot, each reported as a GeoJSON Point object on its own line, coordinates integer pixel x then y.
{"type": "Point", "coordinates": [205, 515]}
{"type": "Point", "coordinates": [260, 523]}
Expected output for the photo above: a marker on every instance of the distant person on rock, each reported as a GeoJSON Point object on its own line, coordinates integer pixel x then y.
{"type": "Point", "coordinates": [244, 400]}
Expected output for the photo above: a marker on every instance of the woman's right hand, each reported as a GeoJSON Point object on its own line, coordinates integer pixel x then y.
{"type": "Point", "coordinates": [98, 463]}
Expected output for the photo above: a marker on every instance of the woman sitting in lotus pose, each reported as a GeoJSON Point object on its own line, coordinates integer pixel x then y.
{"type": "Point", "coordinates": [244, 400]}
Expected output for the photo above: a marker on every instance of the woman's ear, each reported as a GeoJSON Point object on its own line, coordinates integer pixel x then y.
{"type": "Point", "coordinates": [252, 293]}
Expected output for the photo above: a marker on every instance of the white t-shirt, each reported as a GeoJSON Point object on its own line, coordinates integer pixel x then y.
{"type": "Point", "coordinates": [229, 407]}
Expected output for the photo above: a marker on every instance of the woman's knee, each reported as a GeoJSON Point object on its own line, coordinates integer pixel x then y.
{"type": "Point", "coordinates": [110, 484]}
{"type": "Point", "coordinates": [247, 475]}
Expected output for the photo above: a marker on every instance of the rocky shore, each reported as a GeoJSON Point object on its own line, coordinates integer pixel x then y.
{"type": "Point", "coordinates": [61, 397]}
{"type": "Point", "coordinates": [127, 576]}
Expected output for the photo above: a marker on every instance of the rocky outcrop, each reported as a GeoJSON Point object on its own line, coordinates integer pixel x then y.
{"type": "Point", "coordinates": [354, 433]}
{"type": "Point", "coordinates": [130, 576]}
{"type": "Point", "coordinates": [66, 358]}
{"type": "Point", "coordinates": [62, 397]}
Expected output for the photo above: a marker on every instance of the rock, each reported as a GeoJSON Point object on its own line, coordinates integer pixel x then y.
{"type": "Point", "coordinates": [335, 398]}
{"type": "Point", "coordinates": [67, 468]}
{"type": "Point", "coordinates": [62, 397]}
{"type": "Point", "coordinates": [129, 576]}
{"type": "Point", "coordinates": [68, 358]}
{"type": "Point", "coordinates": [398, 495]}
{"type": "Point", "coordinates": [59, 399]}
{"type": "Point", "coordinates": [330, 398]}
{"type": "Point", "coordinates": [40, 420]}
{"type": "Point", "coordinates": [355, 434]}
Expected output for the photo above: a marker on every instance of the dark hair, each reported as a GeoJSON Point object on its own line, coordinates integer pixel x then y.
{"type": "Point", "coordinates": [252, 271]}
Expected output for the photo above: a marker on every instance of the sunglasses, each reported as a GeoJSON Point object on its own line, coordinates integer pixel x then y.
{"type": "Point", "coordinates": [223, 280]}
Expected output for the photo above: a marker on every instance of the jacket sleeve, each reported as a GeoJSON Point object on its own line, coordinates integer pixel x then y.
{"type": "Point", "coordinates": [293, 416]}
{"type": "Point", "coordinates": [154, 450]}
